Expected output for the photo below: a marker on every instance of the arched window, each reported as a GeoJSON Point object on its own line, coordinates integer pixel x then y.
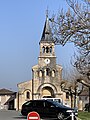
{"type": "Point", "coordinates": [47, 71]}
{"type": "Point", "coordinates": [50, 49]}
{"type": "Point", "coordinates": [28, 95]}
{"type": "Point", "coordinates": [47, 49]}
{"type": "Point", "coordinates": [43, 49]}
{"type": "Point", "coordinates": [53, 73]}
{"type": "Point", "coordinates": [40, 73]}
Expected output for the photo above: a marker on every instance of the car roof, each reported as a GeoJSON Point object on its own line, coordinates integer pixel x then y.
{"type": "Point", "coordinates": [39, 100]}
{"type": "Point", "coordinates": [36, 100]}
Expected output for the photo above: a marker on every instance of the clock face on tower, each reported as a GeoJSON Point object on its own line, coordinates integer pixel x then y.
{"type": "Point", "coordinates": [47, 60]}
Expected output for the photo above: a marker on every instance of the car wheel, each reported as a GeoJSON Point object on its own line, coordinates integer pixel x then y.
{"type": "Point", "coordinates": [60, 116]}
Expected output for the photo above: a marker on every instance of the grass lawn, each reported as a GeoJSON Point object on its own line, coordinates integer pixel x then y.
{"type": "Point", "coordinates": [84, 115]}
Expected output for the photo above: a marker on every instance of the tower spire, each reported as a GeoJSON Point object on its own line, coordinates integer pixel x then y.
{"type": "Point", "coordinates": [46, 36]}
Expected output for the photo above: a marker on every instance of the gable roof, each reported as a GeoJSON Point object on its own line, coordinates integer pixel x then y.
{"type": "Point", "coordinates": [6, 92]}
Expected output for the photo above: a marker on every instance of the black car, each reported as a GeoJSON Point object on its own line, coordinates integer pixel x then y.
{"type": "Point", "coordinates": [47, 109]}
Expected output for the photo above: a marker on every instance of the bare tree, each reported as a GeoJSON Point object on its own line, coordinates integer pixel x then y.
{"type": "Point", "coordinates": [74, 25]}
{"type": "Point", "coordinates": [71, 86]}
{"type": "Point", "coordinates": [82, 64]}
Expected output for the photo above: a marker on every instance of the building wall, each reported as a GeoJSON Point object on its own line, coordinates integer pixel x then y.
{"type": "Point", "coordinates": [3, 100]}
{"type": "Point", "coordinates": [23, 88]}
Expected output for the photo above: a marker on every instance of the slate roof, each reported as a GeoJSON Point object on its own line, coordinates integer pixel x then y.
{"type": "Point", "coordinates": [6, 92]}
{"type": "Point", "coordinates": [47, 35]}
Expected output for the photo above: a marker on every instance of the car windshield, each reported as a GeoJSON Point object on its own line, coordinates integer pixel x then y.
{"type": "Point", "coordinates": [58, 104]}
{"type": "Point", "coordinates": [27, 103]}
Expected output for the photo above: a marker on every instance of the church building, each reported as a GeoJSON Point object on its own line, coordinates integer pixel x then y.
{"type": "Point", "coordinates": [46, 75]}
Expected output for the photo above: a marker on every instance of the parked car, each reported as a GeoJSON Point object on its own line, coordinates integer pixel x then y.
{"type": "Point", "coordinates": [47, 109]}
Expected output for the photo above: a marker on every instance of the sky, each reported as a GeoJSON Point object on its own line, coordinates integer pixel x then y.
{"type": "Point", "coordinates": [21, 27]}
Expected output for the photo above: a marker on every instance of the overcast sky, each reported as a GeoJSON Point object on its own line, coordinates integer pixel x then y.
{"type": "Point", "coordinates": [21, 26]}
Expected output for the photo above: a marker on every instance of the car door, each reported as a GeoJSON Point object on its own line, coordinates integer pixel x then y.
{"type": "Point", "coordinates": [29, 107]}
{"type": "Point", "coordinates": [50, 109]}
{"type": "Point", "coordinates": [39, 107]}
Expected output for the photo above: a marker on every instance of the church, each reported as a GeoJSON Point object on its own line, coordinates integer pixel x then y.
{"type": "Point", "coordinates": [46, 75]}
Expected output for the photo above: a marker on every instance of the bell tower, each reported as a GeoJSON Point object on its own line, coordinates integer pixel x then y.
{"type": "Point", "coordinates": [46, 74]}
{"type": "Point", "coordinates": [47, 58]}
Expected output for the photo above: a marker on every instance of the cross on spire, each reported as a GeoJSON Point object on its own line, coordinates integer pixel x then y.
{"type": "Point", "coordinates": [47, 13]}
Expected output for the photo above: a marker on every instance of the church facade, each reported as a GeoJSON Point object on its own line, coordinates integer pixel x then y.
{"type": "Point", "coordinates": [46, 75]}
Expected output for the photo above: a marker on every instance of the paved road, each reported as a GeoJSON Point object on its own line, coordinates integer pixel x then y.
{"type": "Point", "coordinates": [11, 115]}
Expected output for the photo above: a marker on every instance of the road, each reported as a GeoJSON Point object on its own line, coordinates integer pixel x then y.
{"type": "Point", "coordinates": [13, 115]}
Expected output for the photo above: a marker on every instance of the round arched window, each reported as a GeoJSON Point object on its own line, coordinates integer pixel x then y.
{"type": "Point", "coordinates": [40, 73]}
{"type": "Point", "coordinates": [47, 49]}
{"type": "Point", "coordinates": [50, 49]}
{"type": "Point", "coordinates": [43, 49]}
{"type": "Point", "coordinates": [53, 73]}
{"type": "Point", "coordinates": [47, 71]}
{"type": "Point", "coordinates": [28, 95]}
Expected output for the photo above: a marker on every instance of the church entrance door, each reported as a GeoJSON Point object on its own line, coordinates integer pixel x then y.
{"type": "Point", "coordinates": [48, 92]}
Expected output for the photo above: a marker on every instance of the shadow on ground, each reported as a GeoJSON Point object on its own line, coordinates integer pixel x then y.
{"type": "Point", "coordinates": [20, 117]}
